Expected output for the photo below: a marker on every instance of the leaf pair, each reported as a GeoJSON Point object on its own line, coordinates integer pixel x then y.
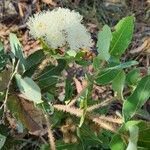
{"type": "Point", "coordinates": [114, 44]}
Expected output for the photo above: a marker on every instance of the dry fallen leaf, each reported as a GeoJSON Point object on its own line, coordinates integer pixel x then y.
{"type": "Point", "coordinates": [145, 47]}
{"type": "Point", "coordinates": [49, 2]}
{"type": "Point", "coordinates": [78, 85]}
{"type": "Point", "coordinates": [31, 117]}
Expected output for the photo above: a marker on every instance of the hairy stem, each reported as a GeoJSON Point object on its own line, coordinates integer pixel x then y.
{"type": "Point", "coordinates": [50, 133]}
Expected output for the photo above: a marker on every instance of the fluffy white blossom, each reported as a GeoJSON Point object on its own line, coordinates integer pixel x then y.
{"type": "Point", "coordinates": [38, 25]}
{"type": "Point", "coordinates": [60, 27]}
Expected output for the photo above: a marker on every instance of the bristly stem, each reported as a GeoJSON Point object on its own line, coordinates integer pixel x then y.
{"type": "Point", "coordinates": [50, 133]}
{"type": "Point", "coordinates": [49, 130]}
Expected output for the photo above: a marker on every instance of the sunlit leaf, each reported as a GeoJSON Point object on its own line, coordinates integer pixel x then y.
{"type": "Point", "coordinates": [122, 36]}
{"type": "Point", "coordinates": [29, 88]}
{"type": "Point", "coordinates": [134, 131]}
{"type": "Point", "coordinates": [17, 50]}
{"type": "Point", "coordinates": [103, 44]}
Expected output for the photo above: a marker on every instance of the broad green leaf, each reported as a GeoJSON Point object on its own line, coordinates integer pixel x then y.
{"type": "Point", "coordinates": [118, 84]}
{"type": "Point", "coordinates": [108, 74]}
{"type": "Point", "coordinates": [32, 62]}
{"type": "Point", "coordinates": [34, 59]}
{"type": "Point", "coordinates": [29, 88]}
{"type": "Point", "coordinates": [135, 101]}
{"type": "Point", "coordinates": [133, 77]}
{"type": "Point", "coordinates": [103, 44]}
{"type": "Point", "coordinates": [134, 131]}
{"type": "Point", "coordinates": [47, 82]}
{"type": "Point", "coordinates": [144, 135]}
{"type": "Point", "coordinates": [68, 90]}
{"type": "Point", "coordinates": [122, 36]}
{"type": "Point", "coordinates": [17, 50]}
{"type": "Point", "coordinates": [49, 76]}
{"type": "Point", "coordinates": [117, 143]}
{"type": "Point", "coordinates": [106, 77]}
{"type": "Point", "coordinates": [2, 140]}
{"type": "Point", "coordinates": [123, 65]}
{"type": "Point", "coordinates": [52, 70]}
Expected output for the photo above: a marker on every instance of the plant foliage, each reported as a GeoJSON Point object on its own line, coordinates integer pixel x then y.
{"type": "Point", "coordinates": [32, 101]}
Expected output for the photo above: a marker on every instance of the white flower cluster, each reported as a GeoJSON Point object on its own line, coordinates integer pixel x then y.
{"type": "Point", "coordinates": [60, 27]}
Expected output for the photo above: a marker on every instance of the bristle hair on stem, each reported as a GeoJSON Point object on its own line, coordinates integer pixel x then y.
{"type": "Point", "coordinates": [96, 106]}
{"type": "Point", "coordinates": [104, 125]}
{"type": "Point", "coordinates": [72, 110]}
{"type": "Point", "coordinates": [50, 134]}
{"type": "Point", "coordinates": [78, 112]}
{"type": "Point", "coordinates": [111, 119]}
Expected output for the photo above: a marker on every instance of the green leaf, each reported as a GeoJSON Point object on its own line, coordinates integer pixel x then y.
{"type": "Point", "coordinates": [60, 145]}
{"type": "Point", "coordinates": [103, 44]}
{"type": "Point", "coordinates": [29, 88]}
{"type": "Point", "coordinates": [88, 137]}
{"type": "Point", "coordinates": [134, 131]}
{"type": "Point", "coordinates": [119, 140]}
{"type": "Point", "coordinates": [32, 62]}
{"type": "Point", "coordinates": [68, 90]}
{"type": "Point", "coordinates": [108, 74]}
{"type": "Point", "coordinates": [117, 143]}
{"type": "Point", "coordinates": [17, 50]}
{"type": "Point", "coordinates": [144, 135]}
{"type": "Point", "coordinates": [118, 84]}
{"type": "Point", "coordinates": [52, 70]}
{"type": "Point", "coordinates": [49, 76]}
{"type": "Point", "coordinates": [34, 59]}
{"type": "Point", "coordinates": [123, 65]}
{"type": "Point", "coordinates": [137, 99]}
{"type": "Point", "coordinates": [122, 36]}
{"type": "Point", "coordinates": [47, 82]}
{"type": "Point", "coordinates": [133, 77]}
{"type": "Point", "coordinates": [106, 77]}
{"type": "Point", "coordinates": [2, 140]}
{"type": "Point", "coordinates": [96, 62]}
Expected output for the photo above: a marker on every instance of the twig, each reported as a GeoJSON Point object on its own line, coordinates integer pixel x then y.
{"type": "Point", "coordinates": [8, 87]}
